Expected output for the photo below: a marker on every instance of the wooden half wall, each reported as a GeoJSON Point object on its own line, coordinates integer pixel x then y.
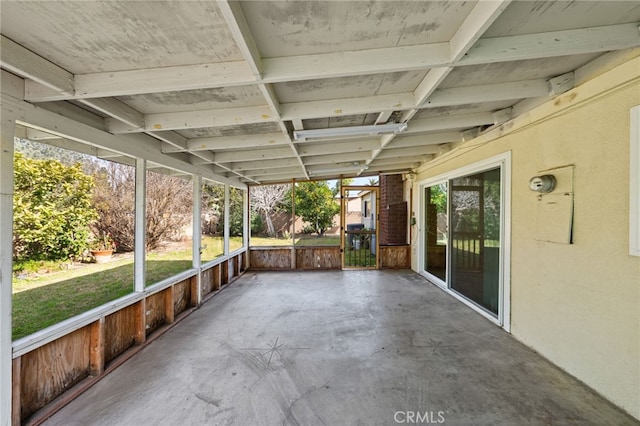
{"type": "Point", "coordinates": [47, 376]}
{"type": "Point", "coordinates": [320, 257]}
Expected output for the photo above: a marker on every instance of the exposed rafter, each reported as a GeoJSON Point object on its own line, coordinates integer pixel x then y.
{"type": "Point", "coordinates": [237, 23]}
{"type": "Point", "coordinates": [241, 154]}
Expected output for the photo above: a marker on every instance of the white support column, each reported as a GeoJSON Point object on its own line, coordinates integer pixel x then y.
{"type": "Point", "coordinates": [246, 218]}
{"type": "Point", "coordinates": [197, 233]}
{"type": "Point", "coordinates": [227, 234]}
{"type": "Point", "coordinates": [7, 132]}
{"type": "Point", "coordinates": [140, 254]}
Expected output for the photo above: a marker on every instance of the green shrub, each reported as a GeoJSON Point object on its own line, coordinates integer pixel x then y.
{"type": "Point", "coordinates": [51, 209]}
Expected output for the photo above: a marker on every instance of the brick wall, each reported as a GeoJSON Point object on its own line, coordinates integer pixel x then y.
{"type": "Point", "coordinates": [393, 210]}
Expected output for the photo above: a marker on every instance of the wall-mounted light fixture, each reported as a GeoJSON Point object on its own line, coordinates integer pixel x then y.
{"type": "Point", "coordinates": [543, 184]}
{"type": "Point", "coordinates": [331, 132]}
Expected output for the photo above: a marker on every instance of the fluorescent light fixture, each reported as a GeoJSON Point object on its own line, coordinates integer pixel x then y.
{"type": "Point", "coordinates": [331, 132]}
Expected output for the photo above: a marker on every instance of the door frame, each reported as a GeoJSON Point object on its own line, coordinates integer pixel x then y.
{"type": "Point", "coordinates": [343, 190]}
{"type": "Point", "coordinates": [503, 161]}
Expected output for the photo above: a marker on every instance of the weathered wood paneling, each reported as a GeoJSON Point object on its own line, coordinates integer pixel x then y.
{"type": "Point", "coordinates": [216, 277]}
{"type": "Point", "coordinates": [16, 374]}
{"type": "Point", "coordinates": [193, 282]}
{"type": "Point", "coordinates": [96, 348]}
{"type": "Point", "coordinates": [242, 262]}
{"type": "Point", "coordinates": [270, 258]}
{"type": "Point", "coordinates": [181, 296]}
{"type": "Point", "coordinates": [206, 283]}
{"type": "Point", "coordinates": [121, 329]}
{"type": "Point", "coordinates": [224, 272]}
{"type": "Point", "coordinates": [155, 312]}
{"type": "Point", "coordinates": [318, 258]}
{"type": "Point", "coordinates": [231, 264]}
{"type": "Point", "coordinates": [236, 265]}
{"type": "Point", "coordinates": [395, 257]}
{"type": "Point", "coordinates": [48, 371]}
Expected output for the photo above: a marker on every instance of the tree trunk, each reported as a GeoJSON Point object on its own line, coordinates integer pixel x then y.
{"type": "Point", "coordinates": [271, 231]}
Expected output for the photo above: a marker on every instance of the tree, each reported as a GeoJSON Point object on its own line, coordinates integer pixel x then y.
{"type": "Point", "coordinates": [315, 203]}
{"type": "Point", "coordinates": [169, 205]}
{"type": "Point", "coordinates": [51, 209]}
{"type": "Point", "coordinates": [213, 199]}
{"type": "Point", "coordinates": [114, 200]}
{"type": "Point", "coordinates": [265, 199]}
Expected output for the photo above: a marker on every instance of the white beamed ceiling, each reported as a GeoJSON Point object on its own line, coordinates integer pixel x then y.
{"type": "Point", "coordinates": [222, 85]}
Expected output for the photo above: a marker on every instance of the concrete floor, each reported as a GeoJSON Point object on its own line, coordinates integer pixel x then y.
{"type": "Point", "coordinates": [337, 348]}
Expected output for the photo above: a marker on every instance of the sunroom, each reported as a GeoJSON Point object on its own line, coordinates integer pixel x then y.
{"type": "Point", "coordinates": [478, 156]}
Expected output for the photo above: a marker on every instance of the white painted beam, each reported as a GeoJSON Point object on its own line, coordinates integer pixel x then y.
{"type": "Point", "coordinates": [334, 168]}
{"type": "Point", "coordinates": [270, 97]}
{"type": "Point", "coordinates": [470, 134]}
{"type": "Point", "coordinates": [36, 135]}
{"type": "Point", "coordinates": [138, 146]}
{"type": "Point", "coordinates": [297, 124]}
{"type": "Point", "coordinates": [226, 233]}
{"type": "Point", "coordinates": [7, 131]}
{"type": "Point", "coordinates": [337, 158]}
{"type": "Point", "coordinates": [384, 116]}
{"type": "Point", "coordinates": [554, 43]}
{"type": "Point", "coordinates": [411, 159]}
{"type": "Point", "coordinates": [350, 63]}
{"type": "Point", "coordinates": [340, 64]}
{"type": "Point", "coordinates": [224, 74]}
{"type": "Point", "coordinates": [150, 80]}
{"type": "Point", "coordinates": [207, 157]}
{"type": "Point", "coordinates": [258, 173]}
{"type": "Point", "coordinates": [502, 116]}
{"type": "Point", "coordinates": [116, 109]}
{"type": "Point", "coordinates": [285, 177]}
{"type": "Point", "coordinates": [234, 142]}
{"type": "Point", "coordinates": [253, 154]}
{"type": "Point", "coordinates": [252, 165]}
{"type": "Point", "coordinates": [440, 123]}
{"type": "Point", "coordinates": [197, 119]}
{"type": "Point", "coordinates": [484, 13]}
{"type": "Point", "coordinates": [173, 142]}
{"type": "Point", "coordinates": [427, 139]}
{"type": "Point", "coordinates": [475, 24]}
{"type": "Point", "coordinates": [27, 64]}
{"type": "Point", "coordinates": [426, 87]}
{"type": "Point", "coordinates": [338, 147]}
{"type": "Point", "coordinates": [391, 168]}
{"type": "Point", "coordinates": [196, 235]}
{"type": "Point", "coordinates": [487, 93]}
{"type": "Point", "coordinates": [416, 151]}
{"type": "Point", "coordinates": [241, 33]}
{"type": "Point", "coordinates": [140, 229]}
{"type": "Point", "coordinates": [561, 84]}
{"type": "Point", "coordinates": [347, 106]}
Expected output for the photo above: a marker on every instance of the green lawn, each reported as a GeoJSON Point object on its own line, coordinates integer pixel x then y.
{"type": "Point", "coordinates": [41, 301]}
{"type": "Point", "coordinates": [360, 257]}
{"type": "Point", "coordinates": [50, 293]}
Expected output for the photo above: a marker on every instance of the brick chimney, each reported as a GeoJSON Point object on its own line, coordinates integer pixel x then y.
{"type": "Point", "coordinates": [393, 211]}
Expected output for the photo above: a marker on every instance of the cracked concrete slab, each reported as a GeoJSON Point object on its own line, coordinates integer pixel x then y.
{"type": "Point", "coordinates": [337, 348]}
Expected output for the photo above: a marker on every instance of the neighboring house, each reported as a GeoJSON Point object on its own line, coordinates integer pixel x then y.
{"type": "Point", "coordinates": [368, 208]}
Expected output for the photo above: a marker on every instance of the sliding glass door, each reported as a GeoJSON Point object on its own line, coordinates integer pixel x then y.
{"type": "Point", "coordinates": [462, 244]}
{"type": "Point", "coordinates": [436, 234]}
{"type": "Point", "coordinates": [475, 237]}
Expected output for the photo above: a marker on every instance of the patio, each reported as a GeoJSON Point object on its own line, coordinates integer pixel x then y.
{"type": "Point", "coordinates": [352, 347]}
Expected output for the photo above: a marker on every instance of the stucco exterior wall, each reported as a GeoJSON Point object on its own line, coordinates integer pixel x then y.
{"type": "Point", "coordinates": [579, 304]}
